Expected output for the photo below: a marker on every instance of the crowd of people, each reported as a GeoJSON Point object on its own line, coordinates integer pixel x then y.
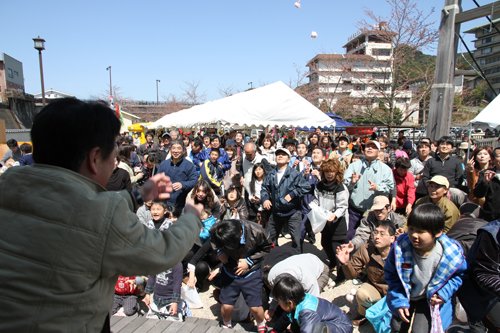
{"type": "Point", "coordinates": [417, 226]}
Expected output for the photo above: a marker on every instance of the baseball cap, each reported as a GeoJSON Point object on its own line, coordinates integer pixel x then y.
{"type": "Point", "coordinates": [286, 151]}
{"type": "Point", "coordinates": [290, 142]}
{"type": "Point", "coordinates": [407, 145]}
{"type": "Point", "coordinates": [471, 209]}
{"type": "Point", "coordinates": [380, 202]}
{"type": "Point", "coordinates": [166, 134]}
{"type": "Point", "coordinates": [374, 142]}
{"type": "Point", "coordinates": [440, 180]}
{"type": "Point", "coordinates": [345, 138]}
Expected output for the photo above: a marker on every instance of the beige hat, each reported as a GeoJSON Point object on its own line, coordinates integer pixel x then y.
{"type": "Point", "coordinates": [380, 202]}
{"type": "Point", "coordinates": [376, 143]}
{"type": "Point", "coordinates": [464, 145]}
{"type": "Point", "coordinates": [440, 180]}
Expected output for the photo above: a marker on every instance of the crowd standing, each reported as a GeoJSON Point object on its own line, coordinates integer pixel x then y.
{"type": "Point", "coordinates": [416, 225]}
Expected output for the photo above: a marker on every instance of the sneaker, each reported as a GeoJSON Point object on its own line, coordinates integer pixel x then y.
{"type": "Point", "coordinates": [262, 329]}
{"type": "Point", "coordinates": [287, 236]}
{"type": "Point", "coordinates": [222, 325]}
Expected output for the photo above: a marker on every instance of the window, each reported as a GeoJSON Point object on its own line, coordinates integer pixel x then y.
{"type": "Point", "coordinates": [16, 73]}
{"type": "Point", "coordinates": [482, 62]}
{"type": "Point", "coordinates": [489, 29]}
{"type": "Point", "coordinates": [487, 40]}
{"type": "Point", "coordinates": [490, 60]}
{"type": "Point", "coordinates": [487, 50]}
{"type": "Point", "coordinates": [10, 73]}
{"type": "Point", "coordinates": [497, 80]}
{"type": "Point", "coordinates": [381, 52]}
{"type": "Point", "coordinates": [360, 87]}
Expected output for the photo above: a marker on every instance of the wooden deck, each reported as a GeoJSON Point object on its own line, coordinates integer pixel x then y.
{"type": "Point", "coordinates": [140, 324]}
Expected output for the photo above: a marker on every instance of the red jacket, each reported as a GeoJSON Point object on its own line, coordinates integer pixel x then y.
{"type": "Point", "coordinates": [406, 189]}
{"type": "Point", "coordinates": [123, 288]}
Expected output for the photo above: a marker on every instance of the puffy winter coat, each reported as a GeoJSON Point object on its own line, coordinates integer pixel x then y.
{"type": "Point", "coordinates": [64, 242]}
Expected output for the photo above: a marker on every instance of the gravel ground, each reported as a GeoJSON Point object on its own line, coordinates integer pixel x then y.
{"type": "Point", "coordinates": [211, 309]}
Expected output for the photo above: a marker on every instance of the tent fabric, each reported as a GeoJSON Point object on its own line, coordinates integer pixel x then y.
{"type": "Point", "coordinates": [489, 117]}
{"type": "Point", "coordinates": [274, 104]}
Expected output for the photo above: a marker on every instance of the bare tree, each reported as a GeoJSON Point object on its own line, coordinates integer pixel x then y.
{"type": "Point", "coordinates": [227, 91]}
{"type": "Point", "coordinates": [118, 96]}
{"type": "Point", "coordinates": [192, 95]}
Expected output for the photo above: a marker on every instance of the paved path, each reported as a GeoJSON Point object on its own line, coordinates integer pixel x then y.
{"type": "Point", "coordinates": [140, 324]}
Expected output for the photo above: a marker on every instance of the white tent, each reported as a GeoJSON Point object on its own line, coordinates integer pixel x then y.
{"type": "Point", "coordinates": [489, 117]}
{"type": "Point", "coordinates": [274, 104]}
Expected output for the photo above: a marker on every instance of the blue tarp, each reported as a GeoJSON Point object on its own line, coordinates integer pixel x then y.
{"type": "Point", "coordinates": [340, 124]}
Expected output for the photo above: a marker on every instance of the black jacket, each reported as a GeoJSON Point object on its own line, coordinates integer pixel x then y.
{"type": "Point", "coordinates": [147, 149]}
{"type": "Point", "coordinates": [450, 168]}
{"type": "Point", "coordinates": [491, 194]}
{"type": "Point", "coordinates": [480, 290]}
{"type": "Point", "coordinates": [293, 183]}
{"type": "Point", "coordinates": [240, 207]}
{"type": "Point", "coordinates": [254, 247]}
{"type": "Point", "coordinates": [465, 230]}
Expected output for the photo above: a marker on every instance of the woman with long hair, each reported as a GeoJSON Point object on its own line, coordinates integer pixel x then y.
{"type": "Point", "coordinates": [480, 160]}
{"type": "Point", "coordinates": [326, 143]}
{"type": "Point", "coordinates": [124, 163]}
{"type": "Point", "coordinates": [203, 193]}
{"type": "Point", "coordinates": [332, 195]}
{"type": "Point", "coordinates": [234, 205]}
{"type": "Point", "coordinates": [253, 188]}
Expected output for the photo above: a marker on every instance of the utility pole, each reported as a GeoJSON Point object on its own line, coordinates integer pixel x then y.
{"type": "Point", "coordinates": [110, 87]}
{"type": "Point", "coordinates": [157, 100]}
{"type": "Point", "coordinates": [443, 90]}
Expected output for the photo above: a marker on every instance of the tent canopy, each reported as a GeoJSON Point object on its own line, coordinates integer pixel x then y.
{"type": "Point", "coordinates": [489, 117]}
{"type": "Point", "coordinates": [274, 104]}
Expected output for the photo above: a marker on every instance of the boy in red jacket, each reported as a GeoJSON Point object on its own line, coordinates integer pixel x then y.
{"type": "Point", "coordinates": [126, 290]}
{"type": "Point", "coordinates": [405, 186]}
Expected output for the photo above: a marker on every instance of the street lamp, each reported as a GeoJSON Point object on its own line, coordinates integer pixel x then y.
{"type": "Point", "coordinates": [40, 45]}
{"type": "Point", "coordinates": [110, 86]}
{"type": "Point", "coordinates": [157, 102]}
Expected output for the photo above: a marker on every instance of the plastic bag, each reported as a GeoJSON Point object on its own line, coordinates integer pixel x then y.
{"type": "Point", "coordinates": [240, 310]}
{"type": "Point", "coordinates": [380, 316]}
{"type": "Point", "coordinates": [460, 312]}
{"type": "Point", "coordinates": [317, 216]}
{"type": "Point", "coordinates": [191, 297]}
{"type": "Point", "coordinates": [437, 326]}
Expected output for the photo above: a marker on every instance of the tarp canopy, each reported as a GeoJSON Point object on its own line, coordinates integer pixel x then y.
{"type": "Point", "coordinates": [274, 104]}
{"type": "Point", "coordinates": [339, 126]}
{"type": "Point", "coordinates": [489, 117]}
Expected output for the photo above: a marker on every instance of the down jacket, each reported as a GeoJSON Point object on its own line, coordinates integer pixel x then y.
{"type": "Point", "coordinates": [445, 282]}
{"type": "Point", "coordinates": [64, 242]}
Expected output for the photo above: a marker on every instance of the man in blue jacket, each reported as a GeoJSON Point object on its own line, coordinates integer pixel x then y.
{"type": "Point", "coordinates": [281, 193]}
{"type": "Point", "coordinates": [182, 173]}
{"type": "Point", "coordinates": [224, 157]}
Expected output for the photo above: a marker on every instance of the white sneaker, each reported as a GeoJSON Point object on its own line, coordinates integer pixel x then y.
{"type": "Point", "coordinates": [287, 236]}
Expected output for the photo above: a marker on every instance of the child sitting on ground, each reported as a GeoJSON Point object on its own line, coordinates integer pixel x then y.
{"type": "Point", "coordinates": [306, 312]}
{"type": "Point", "coordinates": [166, 289]}
{"type": "Point", "coordinates": [208, 221]}
{"type": "Point", "coordinates": [423, 270]}
{"type": "Point", "coordinates": [158, 211]}
{"type": "Point", "coordinates": [126, 290]}
{"type": "Point", "coordinates": [212, 171]}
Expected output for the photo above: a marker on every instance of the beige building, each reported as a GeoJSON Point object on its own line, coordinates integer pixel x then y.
{"type": "Point", "coordinates": [363, 73]}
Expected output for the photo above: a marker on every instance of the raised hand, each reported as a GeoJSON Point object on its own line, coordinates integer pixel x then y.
{"type": "Point", "coordinates": [470, 165]}
{"type": "Point", "coordinates": [373, 186]}
{"type": "Point", "coordinates": [355, 178]}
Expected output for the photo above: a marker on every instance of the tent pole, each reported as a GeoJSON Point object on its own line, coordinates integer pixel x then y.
{"type": "Point", "coordinates": [468, 143]}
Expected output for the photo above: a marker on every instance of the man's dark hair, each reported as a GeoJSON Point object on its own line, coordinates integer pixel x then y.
{"type": "Point", "coordinates": [151, 158]}
{"type": "Point", "coordinates": [403, 162]}
{"type": "Point", "coordinates": [214, 137]}
{"type": "Point", "coordinates": [11, 143]}
{"type": "Point", "coordinates": [149, 133]}
{"type": "Point", "coordinates": [197, 142]}
{"type": "Point", "coordinates": [174, 211]}
{"type": "Point", "coordinates": [26, 148]}
{"type": "Point", "coordinates": [216, 150]}
{"type": "Point", "coordinates": [323, 151]}
{"type": "Point", "coordinates": [445, 139]}
{"type": "Point", "coordinates": [265, 274]}
{"type": "Point", "coordinates": [178, 142]}
{"type": "Point", "coordinates": [95, 123]}
{"type": "Point", "coordinates": [428, 217]}
{"type": "Point", "coordinates": [427, 139]}
{"type": "Point", "coordinates": [288, 288]}
{"type": "Point", "coordinates": [313, 134]}
{"type": "Point", "coordinates": [302, 143]}
{"type": "Point", "coordinates": [423, 144]}
{"type": "Point", "coordinates": [388, 225]}
{"type": "Point", "coordinates": [206, 135]}
{"type": "Point", "coordinates": [226, 234]}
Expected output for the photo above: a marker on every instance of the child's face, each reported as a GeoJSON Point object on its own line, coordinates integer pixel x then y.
{"type": "Point", "coordinates": [354, 159]}
{"type": "Point", "coordinates": [402, 171]}
{"type": "Point", "coordinates": [233, 195]}
{"type": "Point", "coordinates": [422, 240]}
{"type": "Point", "coordinates": [172, 218]}
{"type": "Point", "coordinates": [150, 165]}
{"type": "Point", "coordinates": [204, 215]}
{"type": "Point", "coordinates": [230, 154]}
{"type": "Point", "coordinates": [259, 172]}
{"type": "Point", "coordinates": [288, 306]}
{"type": "Point", "coordinates": [214, 156]}
{"type": "Point", "coordinates": [158, 212]}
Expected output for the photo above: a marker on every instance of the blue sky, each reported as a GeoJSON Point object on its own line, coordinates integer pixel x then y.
{"type": "Point", "coordinates": [217, 42]}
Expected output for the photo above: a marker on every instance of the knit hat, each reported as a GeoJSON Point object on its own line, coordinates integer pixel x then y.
{"type": "Point", "coordinates": [407, 145]}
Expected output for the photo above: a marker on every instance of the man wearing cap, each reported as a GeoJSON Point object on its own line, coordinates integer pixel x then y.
{"type": "Point", "coordinates": [281, 194]}
{"type": "Point", "coordinates": [164, 151]}
{"type": "Point", "coordinates": [380, 211]}
{"type": "Point", "coordinates": [14, 152]}
{"type": "Point", "coordinates": [149, 147]}
{"type": "Point", "coordinates": [438, 187]}
{"type": "Point", "coordinates": [291, 145]}
{"type": "Point", "coordinates": [343, 154]}
{"type": "Point", "coordinates": [365, 180]}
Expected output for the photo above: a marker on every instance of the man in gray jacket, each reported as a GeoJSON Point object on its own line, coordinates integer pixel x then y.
{"type": "Point", "coordinates": [14, 152]}
{"type": "Point", "coordinates": [65, 239]}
